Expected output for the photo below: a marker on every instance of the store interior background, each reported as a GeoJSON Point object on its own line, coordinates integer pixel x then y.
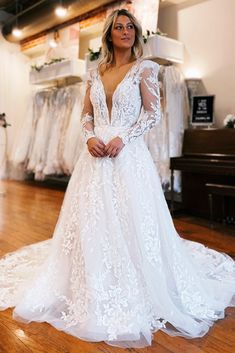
{"type": "Point", "coordinates": [29, 209]}
{"type": "Point", "coordinates": [205, 27]}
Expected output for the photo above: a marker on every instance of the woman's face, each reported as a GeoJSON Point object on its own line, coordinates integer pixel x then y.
{"type": "Point", "coordinates": [123, 33]}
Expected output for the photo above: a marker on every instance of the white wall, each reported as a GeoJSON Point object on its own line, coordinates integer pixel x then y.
{"type": "Point", "coordinates": [207, 29]}
{"type": "Point", "coordinates": [14, 91]}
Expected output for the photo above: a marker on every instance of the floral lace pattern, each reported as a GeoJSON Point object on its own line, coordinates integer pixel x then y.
{"type": "Point", "coordinates": [139, 88]}
{"type": "Point", "coordinates": [88, 133]}
{"type": "Point", "coordinates": [115, 269]}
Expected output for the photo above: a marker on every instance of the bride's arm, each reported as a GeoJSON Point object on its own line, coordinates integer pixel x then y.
{"type": "Point", "coordinates": [87, 118]}
{"type": "Point", "coordinates": [150, 95]}
{"type": "Point", "coordinates": [95, 145]}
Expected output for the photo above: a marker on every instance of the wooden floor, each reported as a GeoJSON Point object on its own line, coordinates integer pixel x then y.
{"type": "Point", "coordinates": [28, 214]}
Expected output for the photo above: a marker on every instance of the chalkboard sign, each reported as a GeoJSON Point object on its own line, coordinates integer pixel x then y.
{"type": "Point", "coordinates": [203, 110]}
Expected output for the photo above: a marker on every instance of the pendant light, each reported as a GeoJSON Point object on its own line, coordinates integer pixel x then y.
{"type": "Point", "coordinates": [17, 32]}
{"type": "Point", "coordinates": [53, 42]}
{"type": "Point", "coordinates": [61, 11]}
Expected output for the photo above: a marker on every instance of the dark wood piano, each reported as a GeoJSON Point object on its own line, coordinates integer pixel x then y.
{"type": "Point", "coordinates": [208, 156]}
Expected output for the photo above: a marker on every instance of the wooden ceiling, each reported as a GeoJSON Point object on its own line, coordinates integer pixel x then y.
{"type": "Point", "coordinates": [35, 16]}
{"type": "Point", "coordinates": [38, 16]}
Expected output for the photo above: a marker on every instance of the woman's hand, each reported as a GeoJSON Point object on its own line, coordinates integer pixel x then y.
{"type": "Point", "coordinates": [96, 147]}
{"type": "Point", "coordinates": [114, 147]}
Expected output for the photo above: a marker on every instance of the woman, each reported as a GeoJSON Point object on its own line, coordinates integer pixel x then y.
{"type": "Point", "coordinates": [116, 270]}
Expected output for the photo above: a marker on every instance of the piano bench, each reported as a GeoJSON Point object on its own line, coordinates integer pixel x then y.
{"type": "Point", "coordinates": [219, 189]}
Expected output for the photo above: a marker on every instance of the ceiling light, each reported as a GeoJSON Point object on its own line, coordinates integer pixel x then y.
{"type": "Point", "coordinates": [61, 11]}
{"type": "Point", "coordinates": [17, 32]}
{"type": "Point", "coordinates": [52, 43]}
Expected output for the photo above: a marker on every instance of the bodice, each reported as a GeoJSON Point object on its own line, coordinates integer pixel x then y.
{"type": "Point", "coordinates": [138, 89]}
{"type": "Point", "coordinates": [126, 99]}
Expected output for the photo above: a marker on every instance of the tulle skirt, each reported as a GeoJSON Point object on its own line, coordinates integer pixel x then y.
{"type": "Point", "coordinates": [116, 270]}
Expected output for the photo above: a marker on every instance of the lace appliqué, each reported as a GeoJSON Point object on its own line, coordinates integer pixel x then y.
{"type": "Point", "coordinates": [151, 115]}
{"type": "Point", "coordinates": [88, 133]}
{"type": "Point", "coordinates": [17, 268]}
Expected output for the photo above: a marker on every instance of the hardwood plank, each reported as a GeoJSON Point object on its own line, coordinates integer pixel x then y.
{"type": "Point", "coordinates": [28, 213]}
{"type": "Point", "coordinates": [221, 239]}
{"type": "Point", "coordinates": [10, 343]}
{"type": "Point", "coordinates": [176, 344]}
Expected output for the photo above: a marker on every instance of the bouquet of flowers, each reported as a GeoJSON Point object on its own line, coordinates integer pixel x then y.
{"type": "Point", "coordinates": [229, 121]}
{"type": "Point", "coordinates": [3, 122]}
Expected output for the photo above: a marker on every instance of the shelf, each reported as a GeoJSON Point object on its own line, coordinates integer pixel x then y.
{"type": "Point", "coordinates": [69, 70]}
{"type": "Point", "coordinates": [164, 48]}
{"type": "Point", "coordinates": [158, 48]}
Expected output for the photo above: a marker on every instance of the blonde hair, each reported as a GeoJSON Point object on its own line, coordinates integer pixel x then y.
{"type": "Point", "coordinates": [107, 46]}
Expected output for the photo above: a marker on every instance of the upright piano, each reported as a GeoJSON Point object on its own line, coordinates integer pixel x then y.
{"type": "Point", "coordinates": [208, 156]}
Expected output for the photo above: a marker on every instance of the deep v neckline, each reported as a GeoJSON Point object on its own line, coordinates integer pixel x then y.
{"type": "Point", "coordinates": [109, 113]}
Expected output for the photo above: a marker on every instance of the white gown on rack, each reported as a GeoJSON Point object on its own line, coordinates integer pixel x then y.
{"type": "Point", "coordinates": [115, 269]}
{"type": "Point", "coordinates": [74, 139]}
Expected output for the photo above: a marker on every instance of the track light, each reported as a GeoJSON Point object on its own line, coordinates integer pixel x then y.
{"type": "Point", "coordinates": [54, 39]}
{"type": "Point", "coordinates": [17, 32]}
{"type": "Point", "coordinates": [61, 11]}
{"type": "Point", "coordinates": [52, 43]}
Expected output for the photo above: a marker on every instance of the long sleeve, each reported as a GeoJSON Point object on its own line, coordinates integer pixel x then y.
{"type": "Point", "coordinates": [150, 95]}
{"type": "Point", "coordinates": [87, 118]}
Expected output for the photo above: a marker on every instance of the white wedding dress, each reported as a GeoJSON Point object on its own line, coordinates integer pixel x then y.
{"type": "Point", "coordinates": [115, 269]}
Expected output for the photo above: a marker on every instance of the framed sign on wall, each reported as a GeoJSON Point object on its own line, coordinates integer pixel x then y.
{"type": "Point", "coordinates": [202, 110]}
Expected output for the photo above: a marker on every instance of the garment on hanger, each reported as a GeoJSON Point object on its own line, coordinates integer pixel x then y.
{"type": "Point", "coordinates": [75, 140]}
{"type": "Point", "coordinates": [53, 163]}
{"type": "Point", "coordinates": [37, 152]}
{"type": "Point", "coordinates": [50, 140]}
{"type": "Point", "coordinates": [166, 141]}
{"type": "Point", "coordinates": [21, 146]}
{"type": "Point", "coordinates": [3, 152]}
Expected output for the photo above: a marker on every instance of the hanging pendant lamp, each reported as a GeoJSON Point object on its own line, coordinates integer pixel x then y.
{"type": "Point", "coordinates": [16, 31]}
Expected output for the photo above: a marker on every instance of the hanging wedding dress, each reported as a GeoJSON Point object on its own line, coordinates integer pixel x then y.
{"type": "Point", "coordinates": [37, 157]}
{"type": "Point", "coordinates": [177, 112]}
{"type": "Point", "coordinates": [74, 137]}
{"type": "Point", "coordinates": [3, 153]}
{"type": "Point", "coordinates": [22, 141]}
{"type": "Point", "coordinates": [165, 140]}
{"type": "Point", "coordinates": [33, 150]}
{"type": "Point", "coordinates": [59, 101]}
{"type": "Point", "coordinates": [115, 269]}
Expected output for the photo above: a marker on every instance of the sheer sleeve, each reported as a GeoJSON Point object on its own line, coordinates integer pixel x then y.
{"type": "Point", "coordinates": [150, 95]}
{"type": "Point", "coordinates": [87, 118]}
